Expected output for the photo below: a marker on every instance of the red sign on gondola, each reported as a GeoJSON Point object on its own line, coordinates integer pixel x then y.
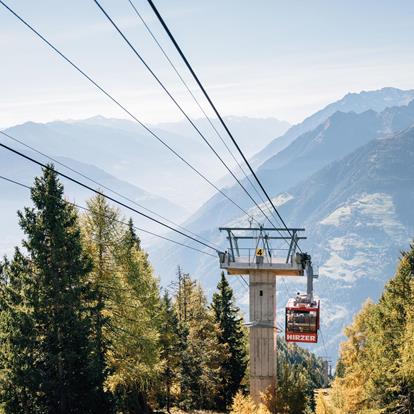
{"type": "Point", "coordinates": [299, 337]}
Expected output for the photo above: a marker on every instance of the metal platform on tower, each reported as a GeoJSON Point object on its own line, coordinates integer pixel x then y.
{"type": "Point", "coordinates": [251, 249]}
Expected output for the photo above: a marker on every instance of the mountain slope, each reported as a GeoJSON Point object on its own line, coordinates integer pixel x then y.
{"type": "Point", "coordinates": [339, 135]}
{"type": "Point", "coordinates": [352, 102]}
{"type": "Point", "coordinates": [358, 215]}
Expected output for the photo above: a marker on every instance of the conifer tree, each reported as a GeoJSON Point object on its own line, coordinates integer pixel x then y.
{"type": "Point", "coordinates": [101, 232]}
{"type": "Point", "coordinates": [389, 385]}
{"type": "Point", "coordinates": [127, 317]}
{"type": "Point", "coordinates": [201, 353]}
{"type": "Point", "coordinates": [19, 376]}
{"type": "Point", "coordinates": [48, 324]}
{"type": "Point", "coordinates": [377, 364]}
{"type": "Point", "coordinates": [231, 335]}
{"type": "Point", "coordinates": [299, 373]}
{"type": "Point", "coordinates": [133, 330]}
{"type": "Point", "coordinates": [170, 356]}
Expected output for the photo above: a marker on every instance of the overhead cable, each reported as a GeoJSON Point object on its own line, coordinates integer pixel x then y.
{"type": "Point", "coordinates": [118, 221]}
{"type": "Point", "coordinates": [130, 114]}
{"type": "Point", "coordinates": [179, 50]}
{"type": "Point", "coordinates": [105, 195]}
{"type": "Point", "coordinates": [154, 75]}
{"type": "Point", "coordinates": [151, 33]}
{"type": "Point", "coordinates": [99, 184]}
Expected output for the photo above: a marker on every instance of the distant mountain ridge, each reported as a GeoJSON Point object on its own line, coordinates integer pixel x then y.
{"type": "Point", "coordinates": [376, 100]}
{"type": "Point", "coordinates": [251, 133]}
{"type": "Point", "coordinates": [21, 170]}
{"type": "Point", "coordinates": [124, 149]}
{"type": "Point", "coordinates": [338, 136]}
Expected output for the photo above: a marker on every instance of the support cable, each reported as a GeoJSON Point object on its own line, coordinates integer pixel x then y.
{"type": "Point", "coordinates": [130, 114]}
{"type": "Point", "coordinates": [323, 342]}
{"type": "Point", "coordinates": [101, 185]}
{"type": "Point", "coordinates": [104, 195]}
{"type": "Point", "coordinates": [151, 33]}
{"type": "Point", "coordinates": [178, 48]}
{"type": "Point", "coordinates": [135, 51]}
{"type": "Point", "coordinates": [244, 280]}
{"type": "Point", "coordinates": [118, 221]}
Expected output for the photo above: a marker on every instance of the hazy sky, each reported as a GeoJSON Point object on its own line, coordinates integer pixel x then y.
{"type": "Point", "coordinates": [259, 58]}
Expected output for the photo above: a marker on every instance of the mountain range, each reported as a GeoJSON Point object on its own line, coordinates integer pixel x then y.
{"type": "Point", "coordinates": [376, 100]}
{"type": "Point", "coordinates": [108, 149]}
{"type": "Point", "coordinates": [350, 183]}
{"type": "Point", "coordinates": [124, 149]}
{"type": "Point", "coordinates": [344, 173]}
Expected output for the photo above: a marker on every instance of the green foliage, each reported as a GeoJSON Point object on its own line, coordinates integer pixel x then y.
{"type": "Point", "coordinates": [201, 352]}
{"type": "Point", "coordinates": [378, 367]}
{"type": "Point", "coordinates": [101, 231]}
{"type": "Point", "coordinates": [299, 373]}
{"type": "Point", "coordinates": [46, 359]}
{"type": "Point", "coordinates": [232, 337]}
{"type": "Point", "coordinates": [170, 353]}
{"type": "Point", "coordinates": [83, 328]}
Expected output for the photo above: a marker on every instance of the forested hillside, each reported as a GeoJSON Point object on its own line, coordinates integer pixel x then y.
{"type": "Point", "coordinates": [85, 327]}
{"type": "Point", "coordinates": [375, 372]}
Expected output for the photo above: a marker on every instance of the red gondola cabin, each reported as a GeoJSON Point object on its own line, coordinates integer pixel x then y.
{"type": "Point", "coordinates": [302, 320]}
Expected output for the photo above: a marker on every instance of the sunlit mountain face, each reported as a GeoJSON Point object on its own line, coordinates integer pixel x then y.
{"type": "Point", "coordinates": [349, 182]}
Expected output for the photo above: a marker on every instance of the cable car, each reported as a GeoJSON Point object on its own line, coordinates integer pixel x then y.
{"type": "Point", "coordinates": [302, 319]}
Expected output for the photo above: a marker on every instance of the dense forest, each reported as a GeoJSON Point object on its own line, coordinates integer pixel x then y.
{"type": "Point", "coordinates": [375, 372]}
{"type": "Point", "coordinates": [86, 328]}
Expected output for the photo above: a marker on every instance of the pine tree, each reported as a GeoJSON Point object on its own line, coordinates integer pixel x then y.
{"type": "Point", "coordinates": [48, 324]}
{"type": "Point", "coordinates": [231, 335]}
{"type": "Point", "coordinates": [170, 355]}
{"type": "Point", "coordinates": [19, 376]}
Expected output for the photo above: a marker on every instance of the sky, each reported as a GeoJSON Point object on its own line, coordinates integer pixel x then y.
{"type": "Point", "coordinates": [263, 58]}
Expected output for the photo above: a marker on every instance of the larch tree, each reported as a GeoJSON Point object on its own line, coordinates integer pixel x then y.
{"type": "Point", "coordinates": [101, 233]}
{"type": "Point", "coordinates": [377, 373]}
{"type": "Point", "coordinates": [350, 388]}
{"type": "Point", "coordinates": [390, 387]}
{"type": "Point", "coordinates": [134, 328]}
{"type": "Point", "coordinates": [127, 308]}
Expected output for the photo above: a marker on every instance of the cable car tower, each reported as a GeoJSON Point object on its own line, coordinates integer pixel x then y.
{"type": "Point", "coordinates": [250, 253]}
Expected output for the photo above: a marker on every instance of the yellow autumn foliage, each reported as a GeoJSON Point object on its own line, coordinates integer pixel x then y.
{"type": "Point", "coordinates": [244, 404]}
{"type": "Point", "coordinates": [376, 371]}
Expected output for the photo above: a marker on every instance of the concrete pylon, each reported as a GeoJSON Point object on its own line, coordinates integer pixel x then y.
{"type": "Point", "coordinates": [263, 334]}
